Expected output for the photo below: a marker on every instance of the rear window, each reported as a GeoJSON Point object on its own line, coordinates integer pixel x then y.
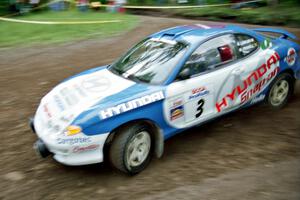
{"type": "Point", "coordinates": [245, 44]}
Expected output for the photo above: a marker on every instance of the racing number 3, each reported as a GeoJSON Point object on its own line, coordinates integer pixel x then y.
{"type": "Point", "coordinates": [200, 108]}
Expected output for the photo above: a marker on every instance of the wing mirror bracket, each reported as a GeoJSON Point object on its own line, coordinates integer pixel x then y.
{"type": "Point", "coordinates": [184, 74]}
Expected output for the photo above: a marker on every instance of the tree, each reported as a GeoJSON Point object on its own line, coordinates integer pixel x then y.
{"type": "Point", "coordinates": [272, 2]}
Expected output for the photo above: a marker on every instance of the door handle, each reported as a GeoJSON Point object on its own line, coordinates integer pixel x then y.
{"type": "Point", "coordinates": [238, 71]}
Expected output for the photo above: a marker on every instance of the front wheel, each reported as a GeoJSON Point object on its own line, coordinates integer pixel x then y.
{"type": "Point", "coordinates": [281, 90]}
{"type": "Point", "coordinates": [131, 149]}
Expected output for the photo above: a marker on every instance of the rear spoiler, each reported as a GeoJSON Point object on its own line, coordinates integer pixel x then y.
{"type": "Point", "coordinates": [285, 34]}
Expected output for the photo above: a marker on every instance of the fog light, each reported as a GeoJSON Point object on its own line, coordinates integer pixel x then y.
{"type": "Point", "coordinates": [72, 130]}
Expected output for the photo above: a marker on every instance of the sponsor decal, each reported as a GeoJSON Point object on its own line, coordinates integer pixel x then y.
{"type": "Point", "coordinates": [248, 94]}
{"type": "Point", "coordinates": [266, 44]}
{"type": "Point", "coordinates": [249, 81]}
{"type": "Point", "coordinates": [290, 59]}
{"type": "Point", "coordinates": [245, 42]}
{"type": "Point", "coordinates": [46, 110]}
{"type": "Point", "coordinates": [247, 46]}
{"type": "Point", "coordinates": [69, 96]}
{"type": "Point", "coordinates": [257, 88]}
{"type": "Point", "coordinates": [130, 105]}
{"type": "Point", "coordinates": [200, 109]}
{"type": "Point", "coordinates": [72, 141]}
{"type": "Point", "coordinates": [49, 124]}
{"type": "Point", "coordinates": [67, 118]}
{"type": "Point", "coordinates": [258, 99]}
{"type": "Point", "coordinates": [80, 91]}
{"type": "Point", "coordinates": [198, 92]}
{"type": "Point", "coordinates": [178, 102]}
{"type": "Point", "coordinates": [176, 112]}
{"type": "Point", "coordinates": [59, 103]}
{"type": "Point", "coordinates": [96, 84]}
{"type": "Point", "coordinates": [87, 148]}
{"type": "Point", "coordinates": [202, 26]}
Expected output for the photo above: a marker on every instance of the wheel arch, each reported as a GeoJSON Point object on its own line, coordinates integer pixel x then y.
{"type": "Point", "coordinates": [292, 79]}
{"type": "Point", "coordinates": [293, 75]}
{"type": "Point", "coordinates": [156, 133]}
{"type": "Point", "coordinates": [289, 71]}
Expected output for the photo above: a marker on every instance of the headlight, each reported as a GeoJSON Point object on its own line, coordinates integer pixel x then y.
{"type": "Point", "coordinates": [72, 130]}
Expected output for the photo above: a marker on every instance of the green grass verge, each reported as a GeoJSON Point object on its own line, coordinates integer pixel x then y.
{"type": "Point", "coordinates": [283, 14]}
{"type": "Point", "coordinates": [22, 34]}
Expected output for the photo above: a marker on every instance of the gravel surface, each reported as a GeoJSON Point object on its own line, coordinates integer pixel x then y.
{"type": "Point", "coordinates": [250, 154]}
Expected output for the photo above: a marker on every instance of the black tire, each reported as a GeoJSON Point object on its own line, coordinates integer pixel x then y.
{"type": "Point", "coordinates": [119, 149]}
{"type": "Point", "coordinates": [282, 78]}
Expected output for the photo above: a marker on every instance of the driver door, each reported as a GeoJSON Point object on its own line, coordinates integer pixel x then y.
{"type": "Point", "coordinates": [192, 100]}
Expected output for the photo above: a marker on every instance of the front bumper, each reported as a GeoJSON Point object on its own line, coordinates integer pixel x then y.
{"type": "Point", "coordinates": [31, 119]}
{"type": "Point", "coordinates": [41, 149]}
{"type": "Point", "coordinates": [72, 150]}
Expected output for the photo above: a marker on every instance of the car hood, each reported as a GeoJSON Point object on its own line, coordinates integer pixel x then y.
{"type": "Point", "coordinates": [85, 91]}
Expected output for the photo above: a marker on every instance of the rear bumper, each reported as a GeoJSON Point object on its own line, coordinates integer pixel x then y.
{"type": "Point", "coordinates": [72, 150]}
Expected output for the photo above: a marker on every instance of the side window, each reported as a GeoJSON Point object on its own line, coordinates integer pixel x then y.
{"type": "Point", "coordinates": [246, 44]}
{"type": "Point", "coordinates": [212, 54]}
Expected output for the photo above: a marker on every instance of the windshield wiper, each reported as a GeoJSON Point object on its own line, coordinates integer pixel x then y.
{"type": "Point", "coordinates": [115, 70]}
{"type": "Point", "coordinates": [137, 79]}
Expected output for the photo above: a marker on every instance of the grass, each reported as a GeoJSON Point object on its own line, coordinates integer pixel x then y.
{"type": "Point", "coordinates": [283, 14]}
{"type": "Point", "coordinates": [21, 34]}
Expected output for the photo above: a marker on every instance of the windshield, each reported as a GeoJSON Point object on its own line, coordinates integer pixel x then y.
{"type": "Point", "coordinates": [150, 61]}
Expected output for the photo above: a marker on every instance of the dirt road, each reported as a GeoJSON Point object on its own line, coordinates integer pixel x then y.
{"type": "Point", "coordinates": [250, 154]}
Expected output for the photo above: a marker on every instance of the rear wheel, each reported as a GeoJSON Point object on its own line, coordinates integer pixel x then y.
{"type": "Point", "coordinates": [281, 90]}
{"type": "Point", "coordinates": [131, 149]}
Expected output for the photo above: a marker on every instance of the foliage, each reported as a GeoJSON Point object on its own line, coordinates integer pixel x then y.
{"type": "Point", "coordinates": [172, 2]}
{"type": "Point", "coordinates": [283, 14]}
{"type": "Point", "coordinates": [4, 7]}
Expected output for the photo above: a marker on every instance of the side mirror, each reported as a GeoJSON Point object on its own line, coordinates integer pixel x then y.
{"type": "Point", "coordinates": [184, 74]}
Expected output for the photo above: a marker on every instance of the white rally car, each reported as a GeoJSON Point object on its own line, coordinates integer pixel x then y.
{"type": "Point", "coordinates": [172, 80]}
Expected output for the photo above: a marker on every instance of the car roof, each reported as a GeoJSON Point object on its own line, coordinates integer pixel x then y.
{"type": "Point", "coordinates": [195, 33]}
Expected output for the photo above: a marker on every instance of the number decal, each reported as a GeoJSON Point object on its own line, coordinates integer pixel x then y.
{"type": "Point", "coordinates": [200, 108]}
